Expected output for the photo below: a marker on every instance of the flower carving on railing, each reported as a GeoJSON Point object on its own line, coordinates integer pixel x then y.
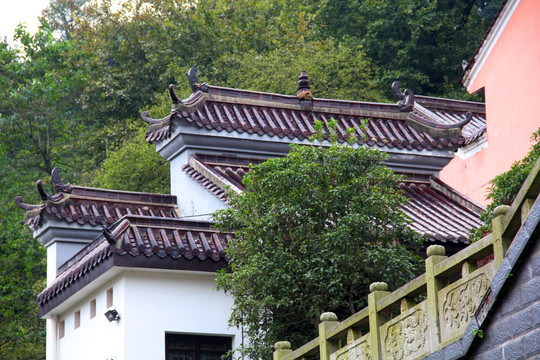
{"type": "Point", "coordinates": [406, 337]}
{"type": "Point", "coordinates": [361, 351]}
{"type": "Point", "coordinates": [461, 302]}
{"type": "Point", "coordinates": [358, 351]}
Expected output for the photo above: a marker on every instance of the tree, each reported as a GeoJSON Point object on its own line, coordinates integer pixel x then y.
{"type": "Point", "coordinates": [134, 166]}
{"type": "Point", "coordinates": [22, 266]}
{"type": "Point", "coordinates": [313, 230]}
{"type": "Point", "coordinates": [505, 187]}
{"type": "Point", "coordinates": [335, 70]}
{"type": "Point", "coordinates": [421, 43]}
{"type": "Point", "coordinates": [37, 105]}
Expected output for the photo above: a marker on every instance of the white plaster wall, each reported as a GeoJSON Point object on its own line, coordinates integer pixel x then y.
{"type": "Point", "coordinates": [96, 338]}
{"type": "Point", "coordinates": [160, 302]}
{"type": "Point", "coordinates": [193, 199]}
{"type": "Point", "coordinates": [58, 253]}
{"type": "Point", "coordinates": [150, 303]}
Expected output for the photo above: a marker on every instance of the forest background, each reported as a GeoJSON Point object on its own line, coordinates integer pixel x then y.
{"type": "Point", "coordinates": [71, 94]}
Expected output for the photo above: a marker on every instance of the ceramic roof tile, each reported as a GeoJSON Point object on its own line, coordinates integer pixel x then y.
{"type": "Point", "coordinates": [429, 123]}
{"type": "Point", "coordinates": [142, 236]}
{"type": "Point", "coordinates": [435, 209]}
{"type": "Point", "coordinates": [93, 206]}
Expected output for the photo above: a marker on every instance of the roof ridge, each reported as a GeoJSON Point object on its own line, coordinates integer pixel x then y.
{"type": "Point", "coordinates": [134, 220]}
{"type": "Point", "coordinates": [451, 104]}
{"type": "Point", "coordinates": [153, 221]}
{"type": "Point", "coordinates": [207, 171]}
{"type": "Point", "coordinates": [76, 191]}
{"type": "Point", "coordinates": [95, 206]}
{"type": "Point", "coordinates": [457, 196]}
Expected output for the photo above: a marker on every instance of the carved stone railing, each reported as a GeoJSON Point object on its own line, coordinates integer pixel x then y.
{"type": "Point", "coordinates": [429, 312]}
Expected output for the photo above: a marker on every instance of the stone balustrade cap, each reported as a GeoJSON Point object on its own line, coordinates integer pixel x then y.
{"type": "Point", "coordinates": [501, 210]}
{"type": "Point", "coordinates": [328, 316]}
{"type": "Point", "coordinates": [436, 250]}
{"type": "Point", "coordinates": [378, 286]}
{"type": "Point", "coordinates": [282, 345]}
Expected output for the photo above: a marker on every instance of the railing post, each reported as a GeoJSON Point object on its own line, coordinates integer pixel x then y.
{"type": "Point", "coordinates": [526, 209]}
{"type": "Point", "coordinates": [282, 348]}
{"type": "Point", "coordinates": [436, 254]}
{"type": "Point", "coordinates": [328, 319]}
{"type": "Point", "coordinates": [378, 290]}
{"type": "Point", "coordinates": [500, 244]}
{"type": "Point", "coordinates": [353, 334]}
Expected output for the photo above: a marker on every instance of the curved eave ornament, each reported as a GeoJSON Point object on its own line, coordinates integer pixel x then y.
{"type": "Point", "coordinates": [194, 81]}
{"type": "Point", "coordinates": [33, 212]}
{"type": "Point", "coordinates": [159, 129]}
{"type": "Point", "coordinates": [422, 119]}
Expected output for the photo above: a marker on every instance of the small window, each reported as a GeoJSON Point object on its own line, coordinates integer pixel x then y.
{"type": "Point", "coordinates": [77, 319]}
{"type": "Point", "coordinates": [196, 347]}
{"type": "Point", "coordinates": [93, 309]}
{"type": "Point", "coordinates": [109, 298]}
{"type": "Point", "coordinates": [61, 329]}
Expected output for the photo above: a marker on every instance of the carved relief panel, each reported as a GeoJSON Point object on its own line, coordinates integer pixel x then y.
{"type": "Point", "coordinates": [459, 301]}
{"type": "Point", "coordinates": [406, 337]}
{"type": "Point", "coordinates": [357, 350]}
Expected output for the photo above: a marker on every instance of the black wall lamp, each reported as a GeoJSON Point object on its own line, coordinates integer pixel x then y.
{"type": "Point", "coordinates": [112, 315]}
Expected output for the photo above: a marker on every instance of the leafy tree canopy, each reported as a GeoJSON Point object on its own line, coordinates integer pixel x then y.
{"type": "Point", "coordinates": [313, 230]}
{"type": "Point", "coordinates": [22, 266]}
{"type": "Point", "coordinates": [335, 70]}
{"type": "Point", "coordinates": [133, 164]}
{"type": "Point", "coordinates": [37, 107]}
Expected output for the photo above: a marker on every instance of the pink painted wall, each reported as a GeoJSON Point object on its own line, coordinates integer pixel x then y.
{"type": "Point", "coordinates": [510, 77]}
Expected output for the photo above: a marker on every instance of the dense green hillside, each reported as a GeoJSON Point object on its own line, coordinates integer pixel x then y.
{"type": "Point", "coordinates": [70, 96]}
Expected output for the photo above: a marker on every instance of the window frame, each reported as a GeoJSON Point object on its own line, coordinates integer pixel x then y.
{"type": "Point", "coordinates": [197, 341]}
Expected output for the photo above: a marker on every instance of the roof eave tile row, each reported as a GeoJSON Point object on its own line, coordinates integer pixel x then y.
{"type": "Point", "coordinates": [232, 110]}
{"type": "Point", "coordinates": [93, 206]}
{"type": "Point", "coordinates": [436, 210]}
{"type": "Point", "coordinates": [142, 236]}
{"type": "Point", "coordinates": [437, 216]}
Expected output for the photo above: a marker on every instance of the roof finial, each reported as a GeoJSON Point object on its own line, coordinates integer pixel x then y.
{"type": "Point", "coordinates": [304, 91]}
{"type": "Point", "coordinates": [194, 82]}
{"type": "Point", "coordinates": [43, 194]}
{"type": "Point", "coordinates": [175, 99]}
{"type": "Point", "coordinates": [109, 236]}
{"type": "Point", "coordinates": [59, 186]}
{"type": "Point", "coordinates": [22, 205]}
{"type": "Point", "coordinates": [398, 95]}
{"type": "Point", "coordinates": [404, 99]}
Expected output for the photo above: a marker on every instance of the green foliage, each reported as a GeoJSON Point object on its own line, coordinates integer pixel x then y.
{"type": "Point", "coordinates": [506, 186]}
{"type": "Point", "coordinates": [335, 70]}
{"type": "Point", "coordinates": [22, 267]}
{"type": "Point", "coordinates": [478, 332]}
{"type": "Point", "coordinates": [134, 166]}
{"type": "Point", "coordinates": [37, 109]}
{"type": "Point", "coordinates": [421, 43]}
{"type": "Point", "coordinates": [313, 230]}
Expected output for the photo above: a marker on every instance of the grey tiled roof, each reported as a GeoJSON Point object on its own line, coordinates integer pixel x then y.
{"type": "Point", "coordinates": [429, 123]}
{"type": "Point", "coordinates": [85, 205]}
{"type": "Point", "coordinates": [144, 237]}
{"type": "Point", "coordinates": [436, 210]}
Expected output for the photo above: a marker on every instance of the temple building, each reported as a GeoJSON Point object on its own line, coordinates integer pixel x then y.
{"type": "Point", "coordinates": [135, 272]}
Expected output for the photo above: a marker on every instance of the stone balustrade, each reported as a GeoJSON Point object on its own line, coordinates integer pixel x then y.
{"type": "Point", "coordinates": [429, 312]}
